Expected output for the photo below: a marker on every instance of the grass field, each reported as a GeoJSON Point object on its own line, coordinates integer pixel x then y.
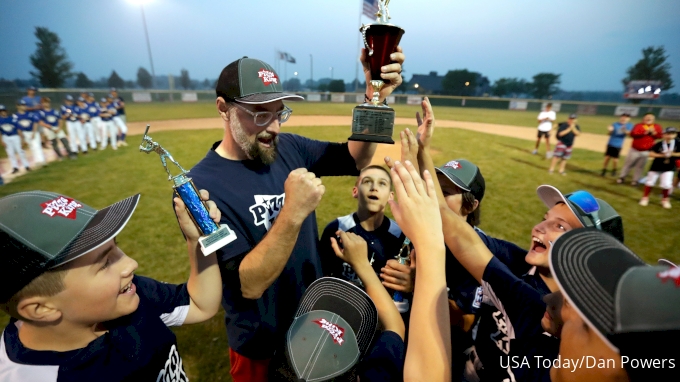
{"type": "Point", "coordinates": [510, 208]}
{"type": "Point", "coordinates": [596, 124]}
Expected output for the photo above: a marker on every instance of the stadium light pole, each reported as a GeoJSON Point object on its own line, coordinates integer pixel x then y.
{"type": "Point", "coordinates": [311, 71]}
{"type": "Point", "coordinates": [331, 68]}
{"type": "Point", "coordinates": [148, 44]}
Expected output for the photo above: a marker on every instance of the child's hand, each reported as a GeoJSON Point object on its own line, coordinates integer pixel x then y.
{"type": "Point", "coordinates": [417, 209]}
{"type": "Point", "coordinates": [186, 224]}
{"type": "Point", "coordinates": [399, 277]}
{"type": "Point", "coordinates": [355, 249]}
{"type": "Point", "coordinates": [409, 149]}
{"type": "Point", "coordinates": [426, 125]}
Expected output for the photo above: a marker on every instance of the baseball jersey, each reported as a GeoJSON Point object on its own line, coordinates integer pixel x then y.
{"type": "Point", "coordinates": [567, 139]}
{"type": "Point", "coordinates": [24, 121]}
{"type": "Point", "coordinates": [383, 243]}
{"type": "Point", "coordinates": [83, 114]}
{"type": "Point", "coordinates": [118, 104]}
{"type": "Point", "coordinates": [137, 347]}
{"type": "Point", "coordinates": [659, 164]}
{"type": "Point", "coordinates": [68, 113]}
{"type": "Point", "coordinates": [93, 109]}
{"type": "Point", "coordinates": [617, 136]}
{"type": "Point", "coordinates": [105, 112]}
{"type": "Point", "coordinates": [546, 126]}
{"type": "Point", "coordinates": [8, 126]}
{"type": "Point", "coordinates": [51, 117]}
{"type": "Point", "coordinates": [250, 196]}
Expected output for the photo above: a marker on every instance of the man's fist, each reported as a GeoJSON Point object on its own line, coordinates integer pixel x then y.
{"type": "Point", "coordinates": [303, 194]}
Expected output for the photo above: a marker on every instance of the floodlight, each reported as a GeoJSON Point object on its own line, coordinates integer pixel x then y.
{"type": "Point", "coordinates": [641, 91]}
{"type": "Point", "coordinates": [648, 88]}
{"type": "Point", "coordinates": [657, 91]}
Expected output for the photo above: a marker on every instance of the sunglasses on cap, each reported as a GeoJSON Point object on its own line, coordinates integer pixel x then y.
{"type": "Point", "coordinates": [587, 205]}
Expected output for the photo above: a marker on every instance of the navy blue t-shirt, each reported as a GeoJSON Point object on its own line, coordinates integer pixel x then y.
{"type": "Point", "coordinates": [385, 362]}
{"type": "Point", "coordinates": [250, 196]}
{"type": "Point", "coordinates": [119, 104]}
{"type": "Point", "coordinates": [567, 139]}
{"type": "Point", "coordinates": [137, 347]}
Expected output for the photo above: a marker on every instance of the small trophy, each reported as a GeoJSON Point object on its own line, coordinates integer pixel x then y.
{"type": "Point", "coordinates": [403, 258]}
{"type": "Point", "coordinates": [214, 236]}
{"type": "Point", "coordinates": [373, 121]}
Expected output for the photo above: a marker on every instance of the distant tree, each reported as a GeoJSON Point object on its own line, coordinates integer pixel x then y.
{"type": "Point", "coordinates": [322, 87]}
{"type": "Point", "coordinates": [7, 84]}
{"type": "Point", "coordinates": [50, 60]}
{"type": "Point", "coordinates": [184, 80]}
{"type": "Point", "coordinates": [130, 84]}
{"type": "Point", "coordinates": [651, 67]}
{"type": "Point", "coordinates": [82, 81]}
{"type": "Point", "coordinates": [144, 79]}
{"type": "Point", "coordinates": [115, 81]}
{"type": "Point", "coordinates": [336, 86]}
{"type": "Point", "coordinates": [544, 85]}
{"type": "Point", "coordinates": [460, 82]}
{"type": "Point", "coordinates": [292, 85]}
{"type": "Point", "coordinates": [513, 86]}
{"type": "Point", "coordinates": [206, 83]}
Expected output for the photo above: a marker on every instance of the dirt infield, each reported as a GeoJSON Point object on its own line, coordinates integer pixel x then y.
{"type": "Point", "coordinates": [585, 141]}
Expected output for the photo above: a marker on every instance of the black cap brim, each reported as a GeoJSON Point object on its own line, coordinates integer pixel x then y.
{"type": "Point", "coordinates": [587, 265]}
{"type": "Point", "coordinates": [260, 98]}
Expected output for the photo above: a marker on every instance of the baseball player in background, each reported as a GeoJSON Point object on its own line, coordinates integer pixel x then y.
{"type": "Point", "coordinates": [95, 120]}
{"type": "Point", "coordinates": [11, 140]}
{"type": "Point", "coordinates": [121, 127]}
{"type": "Point", "coordinates": [26, 122]}
{"type": "Point", "coordinates": [51, 122]}
{"type": "Point", "coordinates": [86, 123]}
{"type": "Point", "coordinates": [74, 128]}
{"type": "Point", "coordinates": [109, 129]}
{"type": "Point", "coordinates": [119, 119]}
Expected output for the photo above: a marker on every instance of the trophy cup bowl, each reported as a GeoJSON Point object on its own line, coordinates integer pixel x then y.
{"type": "Point", "coordinates": [373, 121]}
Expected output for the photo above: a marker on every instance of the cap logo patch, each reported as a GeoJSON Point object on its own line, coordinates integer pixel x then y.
{"type": "Point", "coordinates": [453, 164]}
{"type": "Point", "coordinates": [267, 76]}
{"type": "Point", "coordinates": [671, 274]}
{"type": "Point", "coordinates": [334, 330]}
{"type": "Point", "coordinates": [61, 206]}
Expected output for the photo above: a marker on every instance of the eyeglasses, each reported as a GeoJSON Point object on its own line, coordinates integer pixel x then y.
{"type": "Point", "coordinates": [587, 205]}
{"type": "Point", "coordinates": [262, 118]}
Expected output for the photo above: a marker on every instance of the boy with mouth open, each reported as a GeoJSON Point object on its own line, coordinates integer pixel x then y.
{"type": "Point", "coordinates": [79, 313]}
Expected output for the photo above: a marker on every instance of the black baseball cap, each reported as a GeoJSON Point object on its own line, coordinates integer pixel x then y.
{"type": "Point", "coordinates": [573, 116]}
{"type": "Point", "coordinates": [633, 307]}
{"type": "Point", "coordinates": [610, 220]}
{"type": "Point", "coordinates": [625, 115]}
{"type": "Point", "coordinates": [41, 230]}
{"type": "Point", "coordinates": [248, 80]}
{"type": "Point", "coordinates": [333, 328]}
{"type": "Point", "coordinates": [3, 108]}
{"type": "Point", "coordinates": [670, 130]}
{"type": "Point", "coordinates": [465, 175]}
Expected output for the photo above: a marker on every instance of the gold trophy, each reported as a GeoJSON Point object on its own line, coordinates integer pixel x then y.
{"type": "Point", "coordinates": [373, 121]}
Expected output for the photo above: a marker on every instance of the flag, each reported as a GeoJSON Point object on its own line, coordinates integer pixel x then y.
{"type": "Point", "coordinates": [286, 57]}
{"type": "Point", "coordinates": [370, 8]}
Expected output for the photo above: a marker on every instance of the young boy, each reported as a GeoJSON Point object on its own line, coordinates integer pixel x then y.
{"type": "Point", "coordinates": [618, 131]}
{"type": "Point", "coordinates": [566, 132]}
{"type": "Point", "coordinates": [74, 129]}
{"type": "Point", "coordinates": [79, 313]}
{"type": "Point", "coordinates": [11, 140]}
{"type": "Point", "coordinates": [50, 120]}
{"type": "Point", "coordinates": [663, 166]}
{"type": "Point", "coordinates": [118, 118]}
{"type": "Point", "coordinates": [86, 121]}
{"type": "Point", "coordinates": [383, 236]}
{"type": "Point", "coordinates": [109, 131]}
{"type": "Point", "coordinates": [26, 122]}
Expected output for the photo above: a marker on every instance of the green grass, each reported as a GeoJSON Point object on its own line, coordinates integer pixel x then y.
{"type": "Point", "coordinates": [596, 124]}
{"type": "Point", "coordinates": [510, 208]}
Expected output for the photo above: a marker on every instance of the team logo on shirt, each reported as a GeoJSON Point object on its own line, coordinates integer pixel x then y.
{"type": "Point", "coordinates": [7, 127]}
{"type": "Point", "coordinates": [25, 123]}
{"type": "Point", "coordinates": [51, 119]}
{"type": "Point", "coordinates": [453, 164]}
{"type": "Point", "coordinates": [61, 206]}
{"type": "Point", "coordinates": [334, 330]}
{"type": "Point", "coordinates": [500, 338]}
{"type": "Point", "coordinates": [671, 274]}
{"type": "Point", "coordinates": [173, 370]}
{"type": "Point", "coordinates": [267, 76]}
{"type": "Point", "coordinates": [266, 209]}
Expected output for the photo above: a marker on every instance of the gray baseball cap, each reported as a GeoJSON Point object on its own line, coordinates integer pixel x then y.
{"type": "Point", "coordinates": [248, 80]}
{"type": "Point", "coordinates": [333, 328]}
{"type": "Point", "coordinates": [633, 307]}
{"type": "Point", "coordinates": [41, 230]}
{"type": "Point", "coordinates": [465, 175]}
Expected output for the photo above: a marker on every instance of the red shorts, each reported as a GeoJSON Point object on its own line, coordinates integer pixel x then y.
{"type": "Point", "coordinates": [244, 369]}
{"type": "Point", "coordinates": [562, 151]}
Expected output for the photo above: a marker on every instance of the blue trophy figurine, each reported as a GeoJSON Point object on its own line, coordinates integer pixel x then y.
{"type": "Point", "coordinates": [214, 236]}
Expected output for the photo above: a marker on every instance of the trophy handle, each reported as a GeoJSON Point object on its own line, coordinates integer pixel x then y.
{"type": "Point", "coordinates": [363, 30]}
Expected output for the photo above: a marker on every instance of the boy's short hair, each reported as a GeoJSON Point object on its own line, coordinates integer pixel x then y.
{"type": "Point", "coordinates": [41, 231]}
{"type": "Point", "coordinates": [374, 166]}
{"type": "Point", "coordinates": [549, 104]}
{"type": "Point", "coordinates": [45, 100]}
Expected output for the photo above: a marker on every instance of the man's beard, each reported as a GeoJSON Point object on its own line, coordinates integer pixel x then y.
{"type": "Point", "coordinates": [252, 148]}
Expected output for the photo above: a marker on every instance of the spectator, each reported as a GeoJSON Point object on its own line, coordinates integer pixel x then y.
{"type": "Point", "coordinates": [644, 135]}
{"type": "Point", "coordinates": [618, 131]}
{"type": "Point", "coordinates": [546, 120]}
{"type": "Point", "coordinates": [664, 153]}
{"type": "Point", "coordinates": [566, 132]}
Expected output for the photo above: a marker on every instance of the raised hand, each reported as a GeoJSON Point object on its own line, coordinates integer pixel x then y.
{"type": "Point", "coordinates": [425, 124]}
{"type": "Point", "coordinates": [355, 249]}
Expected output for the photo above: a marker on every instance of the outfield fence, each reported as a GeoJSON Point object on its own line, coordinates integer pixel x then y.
{"type": "Point", "coordinates": [583, 108]}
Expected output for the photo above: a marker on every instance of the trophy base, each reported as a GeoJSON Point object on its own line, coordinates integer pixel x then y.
{"type": "Point", "coordinates": [216, 240]}
{"type": "Point", "coordinates": [372, 123]}
{"type": "Point", "coordinates": [402, 306]}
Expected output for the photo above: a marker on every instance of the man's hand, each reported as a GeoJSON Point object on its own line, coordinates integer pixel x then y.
{"type": "Point", "coordinates": [303, 194]}
{"type": "Point", "coordinates": [399, 277]}
{"type": "Point", "coordinates": [187, 224]}
{"type": "Point", "coordinates": [425, 124]}
{"type": "Point", "coordinates": [355, 249]}
{"type": "Point", "coordinates": [390, 73]}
